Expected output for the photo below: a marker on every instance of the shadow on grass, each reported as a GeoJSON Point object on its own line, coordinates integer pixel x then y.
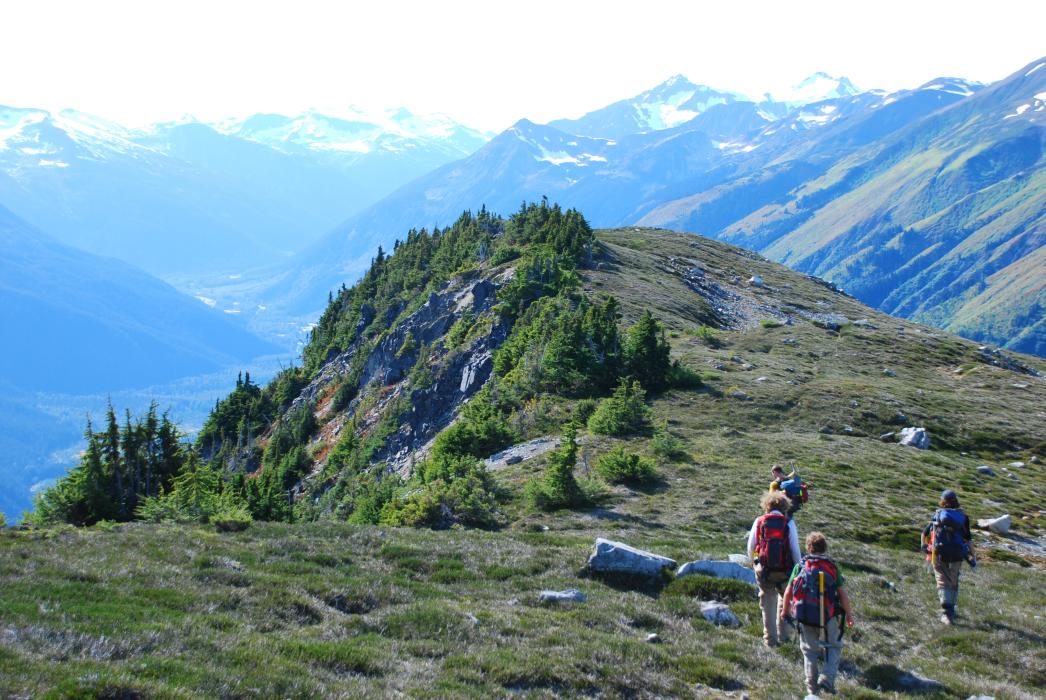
{"type": "Point", "coordinates": [615, 517]}
{"type": "Point", "coordinates": [890, 678]}
{"type": "Point", "coordinates": [650, 586]}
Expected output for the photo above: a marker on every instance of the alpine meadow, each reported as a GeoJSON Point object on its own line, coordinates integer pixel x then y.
{"type": "Point", "coordinates": [691, 395]}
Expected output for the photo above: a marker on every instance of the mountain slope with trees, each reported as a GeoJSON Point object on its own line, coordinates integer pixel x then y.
{"type": "Point", "coordinates": [828, 186]}
{"type": "Point", "coordinates": [671, 370]}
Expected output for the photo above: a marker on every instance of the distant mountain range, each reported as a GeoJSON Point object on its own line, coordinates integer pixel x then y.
{"type": "Point", "coordinates": [188, 197]}
{"type": "Point", "coordinates": [79, 323]}
{"type": "Point", "coordinates": [927, 203]}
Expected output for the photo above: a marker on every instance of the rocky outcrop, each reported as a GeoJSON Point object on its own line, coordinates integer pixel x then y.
{"type": "Point", "coordinates": [616, 557]}
{"type": "Point", "coordinates": [719, 614]}
{"type": "Point", "coordinates": [571, 595]}
{"type": "Point", "coordinates": [718, 569]}
{"type": "Point", "coordinates": [1000, 525]}
{"type": "Point", "coordinates": [915, 437]}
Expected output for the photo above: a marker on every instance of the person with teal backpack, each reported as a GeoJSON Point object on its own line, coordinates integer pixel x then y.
{"type": "Point", "coordinates": [946, 541]}
{"type": "Point", "coordinates": [792, 485]}
{"type": "Point", "coordinates": [816, 599]}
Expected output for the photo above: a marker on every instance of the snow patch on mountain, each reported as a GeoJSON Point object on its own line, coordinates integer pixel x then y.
{"type": "Point", "coordinates": [816, 88]}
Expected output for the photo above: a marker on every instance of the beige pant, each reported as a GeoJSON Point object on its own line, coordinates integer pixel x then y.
{"type": "Point", "coordinates": [947, 576]}
{"type": "Point", "coordinates": [811, 641]}
{"type": "Point", "coordinates": [771, 595]}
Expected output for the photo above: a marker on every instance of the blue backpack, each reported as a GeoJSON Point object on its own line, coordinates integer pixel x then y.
{"type": "Point", "coordinates": [947, 541]}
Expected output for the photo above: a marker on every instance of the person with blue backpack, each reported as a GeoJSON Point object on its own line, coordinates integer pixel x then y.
{"type": "Point", "coordinates": [816, 599]}
{"type": "Point", "coordinates": [792, 485]}
{"type": "Point", "coordinates": [946, 541]}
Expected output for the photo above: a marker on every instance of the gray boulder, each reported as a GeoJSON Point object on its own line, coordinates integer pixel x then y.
{"type": "Point", "coordinates": [986, 470]}
{"type": "Point", "coordinates": [999, 526]}
{"type": "Point", "coordinates": [719, 614]}
{"type": "Point", "coordinates": [740, 559]}
{"type": "Point", "coordinates": [617, 557]}
{"type": "Point", "coordinates": [912, 681]}
{"type": "Point", "coordinates": [888, 437]}
{"type": "Point", "coordinates": [915, 437]}
{"type": "Point", "coordinates": [719, 569]}
{"type": "Point", "coordinates": [572, 595]}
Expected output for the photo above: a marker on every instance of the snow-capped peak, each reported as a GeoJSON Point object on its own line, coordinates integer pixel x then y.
{"type": "Point", "coordinates": [816, 88]}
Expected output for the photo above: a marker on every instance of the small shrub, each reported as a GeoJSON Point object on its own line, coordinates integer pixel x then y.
{"type": "Point", "coordinates": [344, 395]}
{"type": "Point", "coordinates": [3, 520]}
{"type": "Point", "coordinates": [680, 376]}
{"type": "Point", "coordinates": [232, 518]}
{"type": "Point", "coordinates": [621, 467]}
{"type": "Point", "coordinates": [583, 410]}
{"type": "Point", "coordinates": [622, 413]}
{"type": "Point", "coordinates": [558, 488]}
{"type": "Point", "coordinates": [667, 446]}
{"type": "Point", "coordinates": [708, 336]}
{"type": "Point", "coordinates": [770, 323]}
{"type": "Point", "coordinates": [505, 254]}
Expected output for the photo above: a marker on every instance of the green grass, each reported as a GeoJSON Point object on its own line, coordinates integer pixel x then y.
{"type": "Point", "coordinates": [330, 609]}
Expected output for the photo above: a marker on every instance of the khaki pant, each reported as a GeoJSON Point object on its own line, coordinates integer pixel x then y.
{"type": "Point", "coordinates": [811, 642]}
{"type": "Point", "coordinates": [947, 577]}
{"type": "Point", "coordinates": [771, 595]}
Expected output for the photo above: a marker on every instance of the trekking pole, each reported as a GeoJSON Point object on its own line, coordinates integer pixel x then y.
{"type": "Point", "coordinates": [824, 630]}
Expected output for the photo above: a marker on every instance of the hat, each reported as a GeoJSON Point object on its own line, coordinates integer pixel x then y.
{"type": "Point", "coordinates": [948, 496]}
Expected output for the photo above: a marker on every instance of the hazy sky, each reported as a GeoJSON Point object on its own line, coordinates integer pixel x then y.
{"type": "Point", "coordinates": [486, 64]}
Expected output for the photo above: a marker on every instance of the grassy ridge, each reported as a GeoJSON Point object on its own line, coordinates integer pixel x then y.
{"type": "Point", "coordinates": [332, 609]}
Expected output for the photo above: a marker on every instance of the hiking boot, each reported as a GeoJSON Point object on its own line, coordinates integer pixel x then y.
{"type": "Point", "coordinates": [769, 643]}
{"type": "Point", "coordinates": [946, 619]}
{"type": "Point", "coordinates": [827, 687]}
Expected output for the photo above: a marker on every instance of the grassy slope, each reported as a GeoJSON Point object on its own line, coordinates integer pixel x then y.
{"type": "Point", "coordinates": [336, 610]}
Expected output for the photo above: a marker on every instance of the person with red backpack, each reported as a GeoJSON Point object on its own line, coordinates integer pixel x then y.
{"type": "Point", "coordinates": [773, 547]}
{"type": "Point", "coordinates": [815, 598]}
{"type": "Point", "coordinates": [946, 541]}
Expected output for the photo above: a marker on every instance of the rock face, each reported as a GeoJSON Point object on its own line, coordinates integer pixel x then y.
{"type": "Point", "coordinates": [719, 614]}
{"type": "Point", "coordinates": [571, 595]}
{"type": "Point", "coordinates": [916, 437]}
{"type": "Point", "coordinates": [617, 557]}
{"type": "Point", "coordinates": [999, 526]}
{"type": "Point", "coordinates": [719, 569]}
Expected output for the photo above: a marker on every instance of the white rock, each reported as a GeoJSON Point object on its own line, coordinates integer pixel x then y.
{"type": "Point", "coordinates": [986, 470]}
{"type": "Point", "coordinates": [887, 372]}
{"type": "Point", "coordinates": [762, 379]}
{"type": "Point", "coordinates": [981, 697]}
{"type": "Point", "coordinates": [719, 614]}
{"type": "Point", "coordinates": [741, 559]}
{"type": "Point", "coordinates": [719, 569]}
{"type": "Point", "coordinates": [653, 638]}
{"type": "Point", "coordinates": [571, 595]}
{"type": "Point", "coordinates": [621, 558]}
{"type": "Point", "coordinates": [1015, 465]}
{"type": "Point", "coordinates": [756, 281]}
{"type": "Point", "coordinates": [915, 437]}
{"type": "Point", "coordinates": [999, 526]}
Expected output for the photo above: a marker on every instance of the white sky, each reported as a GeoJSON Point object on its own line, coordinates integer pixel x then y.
{"type": "Point", "coordinates": [486, 64]}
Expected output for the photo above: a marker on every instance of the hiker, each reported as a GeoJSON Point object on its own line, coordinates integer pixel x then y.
{"type": "Point", "coordinates": [946, 541]}
{"type": "Point", "coordinates": [773, 547]}
{"type": "Point", "coordinates": [791, 485]}
{"type": "Point", "coordinates": [815, 597]}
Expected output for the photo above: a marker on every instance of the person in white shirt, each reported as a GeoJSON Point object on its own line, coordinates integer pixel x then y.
{"type": "Point", "coordinates": [773, 547]}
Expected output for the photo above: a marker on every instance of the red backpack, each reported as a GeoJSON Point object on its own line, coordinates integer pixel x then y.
{"type": "Point", "coordinates": [773, 554]}
{"type": "Point", "coordinates": [817, 579]}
